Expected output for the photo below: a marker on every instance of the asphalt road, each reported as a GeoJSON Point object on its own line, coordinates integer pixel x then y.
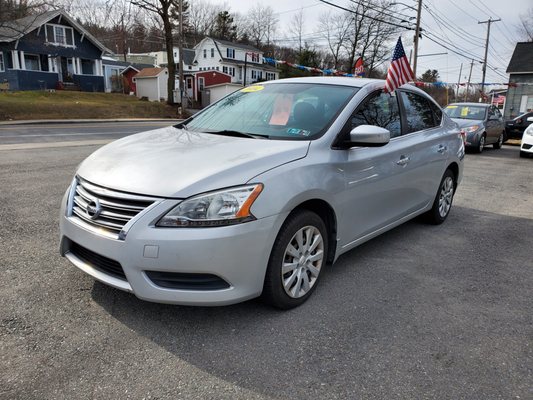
{"type": "Point", "coordinates": [50, 133]}
{"type": "Point", "coordinates": [422, 312]}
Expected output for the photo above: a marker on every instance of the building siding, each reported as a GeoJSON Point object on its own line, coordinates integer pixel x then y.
{"type": "Point", "coordinates": [514, 94]}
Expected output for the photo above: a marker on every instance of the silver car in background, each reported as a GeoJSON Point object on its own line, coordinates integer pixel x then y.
{"type": "Point", "coordinates": [258, 193]}
{"type": "Point", "coordinates": [482, 124]}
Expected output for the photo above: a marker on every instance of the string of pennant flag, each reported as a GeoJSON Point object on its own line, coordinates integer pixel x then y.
{"type": "Point", "coordinates": [360, 73]}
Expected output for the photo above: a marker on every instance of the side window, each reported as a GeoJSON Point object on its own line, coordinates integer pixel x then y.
{"type": "Point", "coordinates": [418, 112]}
{"type": "Point", "coordinates": [437, 113]}
{"type": "Point", "coordinates": [380, 109]}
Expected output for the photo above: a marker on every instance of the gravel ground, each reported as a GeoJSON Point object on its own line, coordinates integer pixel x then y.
{"type": "Point", "coordinates": [422, 312]}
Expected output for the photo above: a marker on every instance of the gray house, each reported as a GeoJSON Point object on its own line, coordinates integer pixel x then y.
{"type": "Point", "coordinates": [520, 94]}
{"type": "Point", "coordinates": [49, 51]}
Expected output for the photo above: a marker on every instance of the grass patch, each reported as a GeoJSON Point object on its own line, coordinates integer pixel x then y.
{"type": "Point", "coordinates": [27, 105]}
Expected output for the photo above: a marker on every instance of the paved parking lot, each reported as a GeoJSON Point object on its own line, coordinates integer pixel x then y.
{"type": "Point", "coordinates": [435, 312]}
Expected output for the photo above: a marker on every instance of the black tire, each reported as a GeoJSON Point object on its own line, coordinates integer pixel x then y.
{"type": "Point", "coordinates": [498, 144]}
{"type": "Point", "coordinates": [274, 292]}
{"type": "Point", "coordinates": [481, 144]}
{"type": "Point", "coordinates": [435, 215]}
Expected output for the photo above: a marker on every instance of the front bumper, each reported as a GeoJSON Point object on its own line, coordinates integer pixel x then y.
{"type": "Point", "coordinates": [472, 139]}
{"type": "Point", "coordinates": [526, 145]}
{"type": "Point", "coordinates": [238, 254]}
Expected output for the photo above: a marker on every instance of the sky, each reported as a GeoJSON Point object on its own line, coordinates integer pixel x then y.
{"type": "Point", "coordinates": [461, 29]}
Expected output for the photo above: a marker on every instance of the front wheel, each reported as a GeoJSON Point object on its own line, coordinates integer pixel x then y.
{"type": "Point", "coordinates": [498, 144]}
{"type": "Point", "coordinates": [481, 144]}
{"type": "Point", "coordinates": [296, 261]}
{"type": "Point", "coordinates": [443, 200]}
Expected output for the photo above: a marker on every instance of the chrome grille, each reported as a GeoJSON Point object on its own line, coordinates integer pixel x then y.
{"type": "Point", "coordinates": [115, 209]}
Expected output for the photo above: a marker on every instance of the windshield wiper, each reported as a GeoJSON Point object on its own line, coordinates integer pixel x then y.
{"type": "Point", "coordinates": [228, 132]}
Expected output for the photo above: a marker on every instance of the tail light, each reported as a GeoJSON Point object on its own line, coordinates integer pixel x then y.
{"type": "Point", "coordinates": [463, 135]}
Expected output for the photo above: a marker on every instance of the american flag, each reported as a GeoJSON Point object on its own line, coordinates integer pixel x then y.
{"type": "Point", "coordinates": [400, 71]}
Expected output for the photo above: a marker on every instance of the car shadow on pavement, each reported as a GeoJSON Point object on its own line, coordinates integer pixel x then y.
{"type": "Point", "coordinates": [420, 309]}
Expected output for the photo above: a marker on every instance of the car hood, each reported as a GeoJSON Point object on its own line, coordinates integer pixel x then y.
{"type": "Point", "coordinates": [465, 123]}
{"type": "Point", "coordinates": [173, 162]}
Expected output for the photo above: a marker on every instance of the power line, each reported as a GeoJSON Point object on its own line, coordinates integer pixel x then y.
{"type": "Point", "coordinates": [367, 16]}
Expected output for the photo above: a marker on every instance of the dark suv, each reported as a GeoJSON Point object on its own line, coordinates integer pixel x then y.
{"type": "Point", "coordinates": [516, 127]}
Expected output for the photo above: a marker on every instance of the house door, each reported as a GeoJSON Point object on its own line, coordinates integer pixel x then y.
{"type": "Point", "coordinates": [188, 83]}
{"type": "Point", "coordinates": [67, 69]}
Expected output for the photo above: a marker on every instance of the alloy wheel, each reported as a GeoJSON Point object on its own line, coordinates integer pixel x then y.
{"type": "Point", "coordinates": [446, 197]}
{"type": "Point", "coordinates": [302, 261]}
{"type": "Point", "coordinates": [481, 143]}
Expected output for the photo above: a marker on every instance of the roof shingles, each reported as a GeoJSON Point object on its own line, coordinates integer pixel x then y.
{"type": "Point", "coordinates": [522, 59]}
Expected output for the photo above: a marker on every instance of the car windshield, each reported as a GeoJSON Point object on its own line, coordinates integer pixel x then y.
{"type": "Point", "coordinates": [465, 112]}
{"type": "Point", "coordinates": [294, 111]}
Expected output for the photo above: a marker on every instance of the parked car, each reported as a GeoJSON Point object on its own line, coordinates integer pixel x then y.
{"type": "Point", "coordinates": [516, 126]}
{"type": "Point", "coordinates": [526, 146]}
{"type": "Point", "coordinates": [482, 124]}
{"type": "Point", "coordinates": [256, 194]}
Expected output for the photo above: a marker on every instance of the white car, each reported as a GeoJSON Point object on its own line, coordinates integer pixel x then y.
{"type": "Point", "coordinates": [526, 147]}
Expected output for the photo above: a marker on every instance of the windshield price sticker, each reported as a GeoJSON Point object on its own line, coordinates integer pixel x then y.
{"type": "Point", "coordinates": [254, 88]}
{"type": "Point", "coordinates": [464, 111]}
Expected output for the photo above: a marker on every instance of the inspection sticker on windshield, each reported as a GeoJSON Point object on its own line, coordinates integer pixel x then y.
{"type": "Point", "coordinates": [464, 111]}
{"type": "Point", "coordinates": [300, 132]}
{"type": "Point", "coordinates": [253, 88]}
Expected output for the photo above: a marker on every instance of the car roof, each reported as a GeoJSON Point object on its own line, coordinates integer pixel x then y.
{"type": "Point", "coordinates": [470, 104]}
{"type": "Point", "coordinates": [331, 80]}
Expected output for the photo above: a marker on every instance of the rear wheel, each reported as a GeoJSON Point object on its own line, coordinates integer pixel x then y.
{"type": "Point", "coordinates": [498, 144]}
{"type": "Point", "coordinates": [443, 200]}
{"type": "Point", "coordinates": [296, 261]}
{"type": "Point", "coordinates": [481, 144]}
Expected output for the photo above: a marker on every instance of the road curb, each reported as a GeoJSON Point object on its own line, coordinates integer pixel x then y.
{"type": "Point", "coordinates": [85, 121]}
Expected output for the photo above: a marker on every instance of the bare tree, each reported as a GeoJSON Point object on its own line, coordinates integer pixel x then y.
{"type": "Point", "coordinates": [297, 28]}
{"type": "Point", "coordinates": [335, 30]}
{"type": "Point", "coordinates": [261, 24]}
{"type": "Point", "coordinates": [525, 27]}
{"type": "Point", "coordinates": [165, 9]}
{"type": "Point", "coordinates": [202, 16]}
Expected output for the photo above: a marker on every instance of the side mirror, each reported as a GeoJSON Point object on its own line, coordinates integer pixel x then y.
{"type": "Point", "coordinates": [529, 119]}
{"type": "Point", "coordinates": [369, 136]}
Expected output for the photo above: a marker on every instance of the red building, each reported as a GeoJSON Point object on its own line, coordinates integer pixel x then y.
{"type": "Point", "coordinates": [195, 82]}
{"type": "Point", "coordinates": [128, 73]}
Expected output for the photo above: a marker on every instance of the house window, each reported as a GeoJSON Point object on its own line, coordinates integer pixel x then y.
{"type": "Point", "coordinates": [231, 71]}
{"type": "Point", "coordinates": [224, 69]}
{"type": "Point", "coordinates": [201, 83]}
{"type": "Point", "coordinates": [230, 53]}
{"type": "Point", "coordinates": [254, 57]}
{"type": "Point", "coordinates": [205, 53]}
{"type": "Point", "coordinates": [254, 74]}
{"type": "Point", "coordinates": [32, 62]}
{"type": "Point", "coordinates": [212, 53]}
{"type": "Point", "coordinates": [270, 76]}
{"type": "Point", "coordinates": [87, 67]}
{"type": "Point", "coordinates": [2, 65]}
{"type": "Point", "coordinates": [58, 34]}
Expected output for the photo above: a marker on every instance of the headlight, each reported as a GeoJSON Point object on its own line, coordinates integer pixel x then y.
{"type": "Point", "coordinates": [471, 129]}
{"type": "Point", "coordinates": [224, 207]}
{"type": "Point", "coordinates": [529, 130]}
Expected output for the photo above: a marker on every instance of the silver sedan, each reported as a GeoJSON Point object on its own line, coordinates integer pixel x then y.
{"type": "Point", "coordinates": [257, 194]}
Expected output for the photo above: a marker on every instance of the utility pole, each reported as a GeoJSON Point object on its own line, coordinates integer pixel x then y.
{"type": "Point", "coordinates": [459, 82]}
{"type": "Point", "coordinates": [417, 36]}
{"type": "Point", "coordinates": [488, 22]}
{"type": "Point", "coordinates": [469, 76]}
{"type": "Point", "coordinates": [180, 53]}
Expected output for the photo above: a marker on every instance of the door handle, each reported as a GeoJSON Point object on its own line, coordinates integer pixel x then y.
{"type": "Point", "coordinates": [403, 160]}
{"type": "Point", "coordinates": [442, 148]}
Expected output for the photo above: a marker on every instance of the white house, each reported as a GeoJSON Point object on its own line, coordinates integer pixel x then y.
{"type": "Point", "coordinates": [242, 62]}
{"type": "Point", "coordinates": [161, 58]}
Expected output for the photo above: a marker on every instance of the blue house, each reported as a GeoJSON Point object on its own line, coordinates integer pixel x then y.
{"type": "Point", "coordinates": [49, 51]}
